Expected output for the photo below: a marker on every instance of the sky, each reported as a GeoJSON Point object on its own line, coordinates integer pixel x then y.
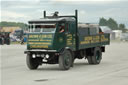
{"type": "Point", "coordinates": [89, 11]}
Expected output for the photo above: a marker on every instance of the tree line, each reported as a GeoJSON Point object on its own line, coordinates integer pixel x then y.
{"type": "Point", "coordinates": [13, 24]}
{"type": "Point", "coordinates": [111, 23]}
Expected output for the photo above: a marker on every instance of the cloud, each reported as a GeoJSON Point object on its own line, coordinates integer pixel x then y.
{"type": "Point", "coordinates": [95, 2]}
{"type": "Point", "coordinates": [116, 13]}
{"type": "Point", "coordinates": [20, 0]}
{"type": "Point", "coordinates": [84, 0]}
{"type": "Point", "coordinates": [89, 10]}
{"type": "Point", "coordinates": [83, 12]}
{"type": "Point", "coordinates": [0, 12]}
{"type": "Point", "coordinates": [13, 16]}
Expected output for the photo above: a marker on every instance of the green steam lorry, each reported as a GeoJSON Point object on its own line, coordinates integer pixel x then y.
{"type": "Point", "coordinates": [60, 40]}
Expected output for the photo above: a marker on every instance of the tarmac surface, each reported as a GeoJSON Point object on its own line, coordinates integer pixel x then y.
{"type": "Point", "coordinates": [113, 69]}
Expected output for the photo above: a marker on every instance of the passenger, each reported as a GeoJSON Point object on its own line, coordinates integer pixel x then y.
{"type": "Point", "coordinates": [62, 28]}
{"type": "Point", "coordinates": [22, 40]}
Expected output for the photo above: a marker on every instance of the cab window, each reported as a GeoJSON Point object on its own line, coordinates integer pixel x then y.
{"type": "Point", "coordinates": [42, 28]}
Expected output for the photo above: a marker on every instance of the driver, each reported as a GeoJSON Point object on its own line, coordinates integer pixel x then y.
{"type": "Point", "coordinates": [61, 28]}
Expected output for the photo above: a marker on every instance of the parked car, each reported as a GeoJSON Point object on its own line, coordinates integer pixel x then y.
{"type": "Point", "coordinates": [124, 37]}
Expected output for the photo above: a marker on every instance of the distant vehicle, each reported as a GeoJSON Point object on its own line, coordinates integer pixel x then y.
{"type": "Point", "coordinates": [124, 37]}
{"type": "Point", "coordinates": [4, 38]}
{"type": "Point", "coordinates": [19, 34]}
{"type": "Point", "coordinates": [60, 40]}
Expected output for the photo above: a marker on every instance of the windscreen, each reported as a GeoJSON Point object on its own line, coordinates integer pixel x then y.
{"type": "Point", "coordinates": [42, 28]}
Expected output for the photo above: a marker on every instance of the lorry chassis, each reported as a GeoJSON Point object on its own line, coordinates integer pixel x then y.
{"type": "Point", "coordinates": [65, 59]}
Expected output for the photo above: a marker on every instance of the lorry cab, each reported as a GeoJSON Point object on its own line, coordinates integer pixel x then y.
{"type": "Point", "coordinates": [52, 34]}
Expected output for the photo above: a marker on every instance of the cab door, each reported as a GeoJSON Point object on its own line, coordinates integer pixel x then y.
{"type": "Point", "coordinates": [70, 35]}
{"type": "Point", "coordinates": [61, 36]}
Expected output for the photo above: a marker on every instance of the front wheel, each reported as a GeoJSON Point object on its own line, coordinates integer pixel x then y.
{"type": "Point", "coordinates": [32, 63]}
{"type": "Point", "coordinates": [65, 60]}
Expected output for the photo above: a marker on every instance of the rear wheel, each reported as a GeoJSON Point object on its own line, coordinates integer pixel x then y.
{"type": "Point", "coordinates": [65, 60]}
{"type": "Point", "coordinates": [32, 63]}
{"type": "Point", "coordinates": [96, 58]}
{"type": "Point", "coordinates": [89, 58]}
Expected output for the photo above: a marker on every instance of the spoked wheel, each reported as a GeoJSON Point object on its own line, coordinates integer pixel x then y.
{"type": "Point", "coordinates": [32, 63]}
{"type": "Point", "coordinates": [65, 60]}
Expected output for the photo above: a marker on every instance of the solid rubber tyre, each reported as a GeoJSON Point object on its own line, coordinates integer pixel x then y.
{"type": "Point", "coordinates": [32, 63]}
{"type": "Point", "coordinates": [89, 58]}
{"type": "Point", "coordinates": [65, 60]}
{"type": "Point", "coordinates": [97, 56]}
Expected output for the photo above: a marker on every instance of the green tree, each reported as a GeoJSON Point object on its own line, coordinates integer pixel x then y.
{"type": "Point", "coordinates": [122, 27]}
{"type": "Point", "coordinates": [13, 24]}
{"type": "Point", "coordinates": [112, 24]}
{"type": "Point", "coordinates": [103, 22]}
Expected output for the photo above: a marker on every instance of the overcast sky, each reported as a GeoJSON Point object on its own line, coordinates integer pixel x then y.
{"type": "Point", "coordinates": [89, 10]}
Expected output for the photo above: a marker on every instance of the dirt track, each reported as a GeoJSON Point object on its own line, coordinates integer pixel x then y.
{"type": "Point", "coordinates": [113, 69]}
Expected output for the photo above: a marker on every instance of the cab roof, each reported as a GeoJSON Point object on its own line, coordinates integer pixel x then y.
{"type": "Point", "coordinates": [52, 19]}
